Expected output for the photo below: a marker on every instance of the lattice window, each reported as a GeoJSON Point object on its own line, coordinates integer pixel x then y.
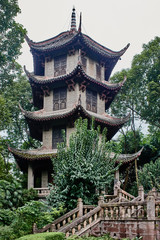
{"type": "Point", "coordinates": [60, 64]}
{"type": "Point", "coordinates": [91, 100]}
{"type": "Point", "coordinates": [57, 136]}
{"type": "Point", "coordinates": [84, 62]}
{"type": "Point", "coordinates": [98, 72]}
{"type": "Point", "coordinates": [59, 98]}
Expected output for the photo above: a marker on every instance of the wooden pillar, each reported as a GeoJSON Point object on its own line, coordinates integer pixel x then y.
{"type": "Point", "coordinates": [30, 176]}
{"type": "Point", "coordinates": [44, 182]}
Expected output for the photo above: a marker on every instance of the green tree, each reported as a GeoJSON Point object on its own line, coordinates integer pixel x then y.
{"type": "Point", "coordinates": [140, 94]}
{"type": "Point", "coordinates": [11, 37]}
{"type": "Point", "coordinates": [149, 175]}
{"type": "Point", "coordinates": [83, 167]}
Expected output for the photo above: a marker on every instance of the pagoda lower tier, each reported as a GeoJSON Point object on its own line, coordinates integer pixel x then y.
{"type": "Point", "coordinates": [38, 164]}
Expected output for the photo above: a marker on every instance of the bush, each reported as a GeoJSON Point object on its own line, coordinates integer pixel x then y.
{"type": "Point", "coordinates": [6, 216]}
{"type": "Point", "coordinates": [6, 233]}
{"type": "Point", "coordinates": [44, 236]}
{"type": "Point", "coordinates": [32, 212]}
{"type": "Point", "coordinates": [55, 236]}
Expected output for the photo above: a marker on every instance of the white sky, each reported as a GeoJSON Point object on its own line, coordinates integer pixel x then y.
{"type": "Point", "coordinates": [112, 23]}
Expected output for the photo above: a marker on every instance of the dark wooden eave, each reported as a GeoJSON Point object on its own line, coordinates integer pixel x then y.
{"type": "Point", "coordinates": [69, 40]}
{"type": "Point", "coordinates": [39, 119]}
{"type": "Point", "coordinates": [24, 156]}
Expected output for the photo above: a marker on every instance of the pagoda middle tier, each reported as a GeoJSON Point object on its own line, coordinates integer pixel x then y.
{"type": "Point", "coordinates": [42, 85]}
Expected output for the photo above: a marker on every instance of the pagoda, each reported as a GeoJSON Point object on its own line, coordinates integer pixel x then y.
{"type": "Point", "coordinates": [70, 80]}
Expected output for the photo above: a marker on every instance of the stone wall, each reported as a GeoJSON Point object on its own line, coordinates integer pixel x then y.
{"type": "Point", "coordinates": [149, 230]}
{"type": "Point", "coordinates": [72, 61]}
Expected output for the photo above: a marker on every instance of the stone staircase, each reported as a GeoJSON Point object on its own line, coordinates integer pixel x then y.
{"type": "Point", "coordinates": [77, 221]}
{"type": "Point", "coordinates": [121, 215]}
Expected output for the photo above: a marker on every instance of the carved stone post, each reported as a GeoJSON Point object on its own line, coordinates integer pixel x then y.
{"type": "Point", "coordinates": [34, 228]}
{"type": "Point", "coordinates": [100, 200]}
{"type": "Point", "coordinates": [154, 191]}
{"type": "Point", "coordinates": [141, 192]}
{"type": "Point", "coordinates": [53, 228]}
{"type": "Point", "coordinates": [119, 194]}
{"type": "Point", "coordinates": [80, 206]}
{"type": "Point", "coordinates": [151, 206]}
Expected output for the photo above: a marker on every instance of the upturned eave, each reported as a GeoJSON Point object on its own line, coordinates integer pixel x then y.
{"type": "Point", "coordinates": [36, 120]}
{"type": "Point", "coordinates": [107, 90]}
{"type": "Point", "coordinates": [24, 156]}
{"type": "Point", "coordinates": [67, 39]}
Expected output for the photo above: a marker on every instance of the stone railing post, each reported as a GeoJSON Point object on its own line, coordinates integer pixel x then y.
{"type": "Point", "coordinates": [80, 206]}
{"type": "Point", "coordinates": [116, 187]}
{"type": "Point", "coordinates": [141, 192]}
{"type": "Point", "coordinates": [101, 201]}
{"type": "Point", "coordinates": [154, 191]}
{"type": "Point", "coordinates": [34, 229]}
{"type": "Point", "coordinates": [53, 228]}
{"type": "Point", "coordinates": [119, 194]}
{"type": "Point", "coordinates": [151, 206]}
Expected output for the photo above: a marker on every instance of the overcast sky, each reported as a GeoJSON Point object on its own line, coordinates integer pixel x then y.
{"type": "Point", "coordinates": [112, 23]}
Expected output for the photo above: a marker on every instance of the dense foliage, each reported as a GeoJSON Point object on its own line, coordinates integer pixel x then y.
{"type": "Point", "coordinates": [11, 38]}
{"type": "Point", "coordinates": [14, 87]}
{"type": "Point", "coordinates": [18, 222]}
{"type": "Point", "coordinates": [141, 92]}
{"type": "Point", "coordinates": [82, 167]}
{"type": "Point", "coordinates": [149, 176]}
{"type": "Point", "coordinates": [140, 96]}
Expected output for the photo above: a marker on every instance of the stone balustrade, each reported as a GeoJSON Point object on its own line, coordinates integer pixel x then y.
{"type": "Point", "coordinates": [141, 215]}
{"type": "Point", "coordinates": [125, 195]}
{"type": "Point", "coordinates": [124, 210]}
{"type": "Point", "coordinates": [87, 208]}
{"type": "Point", "coordinates": [42, 192]}
{"type": "Point", "coordinates": [60, 222]}
{"type": "Point", "coordinates": [109, 198]}
{"type": "Point", "coordinates": [82, 224]}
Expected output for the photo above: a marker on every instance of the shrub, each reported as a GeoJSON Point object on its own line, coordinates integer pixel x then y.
{"type": "Point", "coordinates": [7, 216]}
{"type": "Point", "coordinates": [6, 233]}
{"type": "Point", "coordinates": [55, 236]}
{"type": "Point", "coordinates": [32, 212]}
{"type": "Point", "coordinates": [44, 236]}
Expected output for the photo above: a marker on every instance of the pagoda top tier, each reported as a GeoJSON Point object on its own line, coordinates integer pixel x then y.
{"type": "Point", "coordinates": [68, 39]}
{"type": "Point", "coordinates": [68, 42]}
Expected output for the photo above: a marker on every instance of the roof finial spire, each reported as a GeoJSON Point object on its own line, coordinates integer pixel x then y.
{"type": "Point", "coordinates": [80, 23]}
{"type": "Point", "coordinates": [73, 20]}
